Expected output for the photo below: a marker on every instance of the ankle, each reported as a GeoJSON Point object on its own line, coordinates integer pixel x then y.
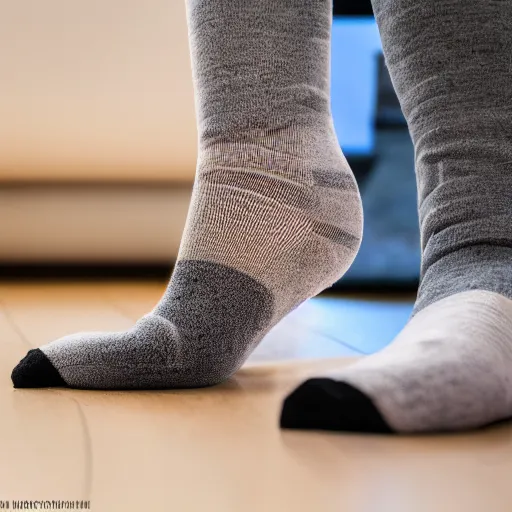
{"type": "Point", "coordinates": [293, 152]}
{"type": "Point", "coordinates": [476, 267]}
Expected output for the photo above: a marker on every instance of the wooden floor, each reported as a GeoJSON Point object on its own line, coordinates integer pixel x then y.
{"type": "Point", "coordinates": [220, 449]}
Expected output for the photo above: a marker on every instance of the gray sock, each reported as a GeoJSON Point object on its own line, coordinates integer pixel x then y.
{"type": "Point", "coordinates": [275, 215]}
{"type": "Point", "coordinates": [451, 366]}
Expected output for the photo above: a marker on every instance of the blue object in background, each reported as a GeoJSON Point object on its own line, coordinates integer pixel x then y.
{"type": "Point", "coordinates": [382, 160]}
{"type": "Point", "coordinates": [355, 47]}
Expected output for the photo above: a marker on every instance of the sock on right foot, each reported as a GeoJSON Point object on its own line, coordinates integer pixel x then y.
{"type": "Point", "coordinates": [451, 366]}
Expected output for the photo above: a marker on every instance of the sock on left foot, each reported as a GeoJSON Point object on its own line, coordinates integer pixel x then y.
{"type": "Point", "coordinates": [275, 215]}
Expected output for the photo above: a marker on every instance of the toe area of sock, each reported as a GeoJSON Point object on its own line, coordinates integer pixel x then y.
{"type": "Point", "coordinates": [327, 404]}
{"type": "Point", "coordinates": [36, 371]}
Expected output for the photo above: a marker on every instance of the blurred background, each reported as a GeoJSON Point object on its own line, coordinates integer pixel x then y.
{"type": "Point", "coordinates": [98, 140]}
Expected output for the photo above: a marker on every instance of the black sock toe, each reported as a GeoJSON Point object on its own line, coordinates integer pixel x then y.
{"type": "Point", "coordinates": [326, 404]}
{"type": "Point", "coordinates": [36, 371]}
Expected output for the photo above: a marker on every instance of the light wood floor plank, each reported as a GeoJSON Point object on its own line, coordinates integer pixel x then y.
{"type": "Point", "coordinates": [217, 449]}
{"type": "Point", "coordinates": [45, 312]}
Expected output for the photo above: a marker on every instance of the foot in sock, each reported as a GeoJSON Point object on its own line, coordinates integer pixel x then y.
{"type": "Point", "coordinates": [275, 215]}
{"type": "Point", "coordinates": [451, 366]}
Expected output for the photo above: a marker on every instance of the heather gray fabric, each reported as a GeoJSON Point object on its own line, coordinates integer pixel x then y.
{"type": "Point", "coordinates": [451, 367]}
{"type": "Point", "coordinates": [196, 336]}
{"type": "Point", "coordinates": [275, 215]}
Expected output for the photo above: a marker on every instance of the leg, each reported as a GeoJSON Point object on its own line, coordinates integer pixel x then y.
{"type": "Point", "coordinates": [275, 215]}
{"type": "Point", "coordinates": [451, 366]}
